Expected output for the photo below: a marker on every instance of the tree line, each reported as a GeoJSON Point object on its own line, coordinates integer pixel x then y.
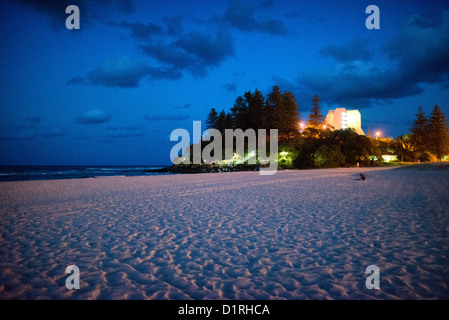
{"type": "Point", "coordinates": [276, 110]}
{"type": "Point", "coordinates": [318, 146]}
{"type": "Point", "coordinates": [429, 134]}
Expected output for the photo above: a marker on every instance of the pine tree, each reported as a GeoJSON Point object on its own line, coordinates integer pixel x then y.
{"type": "Point", "coordinates": [249, 114]}
{"type": "Point", "coordinates": [292, 116]}
{"type": "Point", "coordinates": [438, 133]}
{"type": "Point", "coordinates": [274, 109]}
{"type": "Point", "coordinates": [228, 121]}
{"type": "Point", "coordinates": [212, 119]}
{"type": "Point", "coordinates": [221, 122]}
{"type": "Point", "coordinates": [316, 119]}
{"type": "Point", "coordinates": [419, 130]}
{"type": "Point", "coordinates": [256, 109]}
{"type": "Point", "coordinates": [238, 112]}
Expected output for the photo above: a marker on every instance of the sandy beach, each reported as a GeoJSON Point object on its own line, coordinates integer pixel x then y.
{"type": "Point", "coordinates": [306, 234]}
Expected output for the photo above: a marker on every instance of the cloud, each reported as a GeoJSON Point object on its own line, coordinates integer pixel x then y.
{"type": "Point", "coordinates": [123, 132]}
{"type": "Point", "coordinates": [145, 31]}
{"type": "Point", "coordinates": [168, 73]}
{"type": "Point", "coordinates": [119, 72]}
{"type": "Point", "coordinates": [243, 17]}
{"type": "Point", "coordinates": [358, 84]}
{"type": "Point", "coordinates": [94, 116]}
{"type": "Point", "coordinates": [83, 138]}
{"type": "Point", "coordinates": [55, 10]}
{"type": "Point", "coordinates": [34, 120]}
{"type": "Point", "coordinates": [173, 53]}
{"type": "Point", "coordinates": [140, 31]}
{"type": "Point", "coordinates": [164, 118]}
{"type": "Point", "coordinates": [186, 106]}
{"type": "Point", "coordinates": [239, 74]}
{"type": "Point", "coordinates": [31, 133]}
{"type": "Point", "coordinates": [58, 132]}
{"type": "Point", "coordinates": [422, 48]}
{"type": "Point", "coordinates": [355, 50]}
{"type": "Point", "coordinates": [195, 52]}
{"type": "Point", "coordinates": [29, 129]}
{"type": "Point", "coordinates": [206, 49]}
{"type": "Point", "coordinates": [174, 25]}
{"type": "Point", "coordinates": [419, 54]}
{"type": "Point", "coordinates": [20, 135]}
{"type": "Point", "coordinates": [77, 80]}
{"type": "Point", "coordinates": [169, 54]}
{"type": "Point", "coordinates": [104, 141]}
{"type": "Point", "coordinates": [231, 87]}
{"type": "Point", "coordinates": [124, 72]}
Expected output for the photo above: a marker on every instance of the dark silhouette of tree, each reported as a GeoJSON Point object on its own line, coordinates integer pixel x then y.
{"type": "Point", "coordinates": [290, 121]}
{"type": "Point", "coordinates": [281, 112]}
{"type": "Point", "coordinates": [328, 156]}
{"type": "Point", "coordinates": [256, 102]}
{"type": "Point", "coordinates": [403, 146]}
{"type": "Point", "coordinates": [221, 122]}
{"type": "Point", "coordinates": [228, 123]}
{"type": "Point", "coordinates": [238, 112]}
{"type": "Point", "coordinates": [438, 133]}
{"type": "Point", "coordinates": [273, 109]}
{"type": "Point", "coordinates": [249, 114]}
{"type": "Point", "coordinates": [419, 130]}
{"type": "Point", "coordinates": [212, 119]}
{"type": "Point", "coordinates": [327, 148]}
{"type": "Point", "coordinates": [316, 119]}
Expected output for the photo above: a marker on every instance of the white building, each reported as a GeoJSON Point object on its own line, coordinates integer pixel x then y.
{"type": "Point", "coordinates": [341, 118]}
{"type": "Point", "coordinates": [389, 157]}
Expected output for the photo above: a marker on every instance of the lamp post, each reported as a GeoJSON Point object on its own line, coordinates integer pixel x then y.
{"type": "Point", "coordinates": [377, 135]}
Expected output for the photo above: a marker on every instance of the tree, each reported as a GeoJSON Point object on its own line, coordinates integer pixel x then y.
{"type": "Point", "coordinates": [438, 133]}
{"type": "Point", "coordinates": [316, 119]}
{"type": "Point", "coordinates": [292, 116]}
{"type": "Point", "coordinates": [212, 119]}
{"type": "Point", "coordinates": [328, 156]}
{"type": "Point", "coordinates": [238, 112]}
{"type": "Point", "coordinates": [256, 110]}
{"type": "Point", "coordinates": [355, 147]}
{"type": "Point", "coordinates": [249, 114]}
{"type": "Point", "coordinates": [228, 121]}
{"type": "Point", "coordinates": [405, 141]}
{"type": "Point", "coordinates": [402, 147]}
{"type": "Point", "coordinates": [419, 130]}
{"type": "Point", "coordinates": [221, 122]}
{"type": "Point", "coordinates": [273, 109]}
{"type": "Point", "coordinates": [253, 104]}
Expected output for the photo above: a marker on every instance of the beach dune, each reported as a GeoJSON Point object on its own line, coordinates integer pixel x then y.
{"type": "Point", "coordinates": [307, 234]}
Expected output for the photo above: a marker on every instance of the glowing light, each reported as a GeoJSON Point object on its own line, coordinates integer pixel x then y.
{"type": "Point", "coordinates": [284, 153]}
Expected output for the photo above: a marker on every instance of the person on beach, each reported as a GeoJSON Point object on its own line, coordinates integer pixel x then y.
{"type": "Point", "coordinates": [362, 177]}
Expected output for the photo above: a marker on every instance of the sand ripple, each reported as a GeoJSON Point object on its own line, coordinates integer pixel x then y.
{"type": "Point", "coordinates": [295, 235]}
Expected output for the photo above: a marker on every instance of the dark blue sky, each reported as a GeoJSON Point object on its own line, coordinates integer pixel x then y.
{"type": "Point", "coordinates": [112, 92]}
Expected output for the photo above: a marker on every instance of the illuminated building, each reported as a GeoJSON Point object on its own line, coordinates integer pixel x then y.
{"type": "Point", "coordinates": [341, 118]}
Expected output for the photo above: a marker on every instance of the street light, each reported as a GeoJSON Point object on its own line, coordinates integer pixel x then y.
{"type": "Point", "coordinates": [377, 134]}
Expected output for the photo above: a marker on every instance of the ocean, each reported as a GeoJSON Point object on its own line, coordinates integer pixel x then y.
{"type": "Point", "coordinates": [21, 173]}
